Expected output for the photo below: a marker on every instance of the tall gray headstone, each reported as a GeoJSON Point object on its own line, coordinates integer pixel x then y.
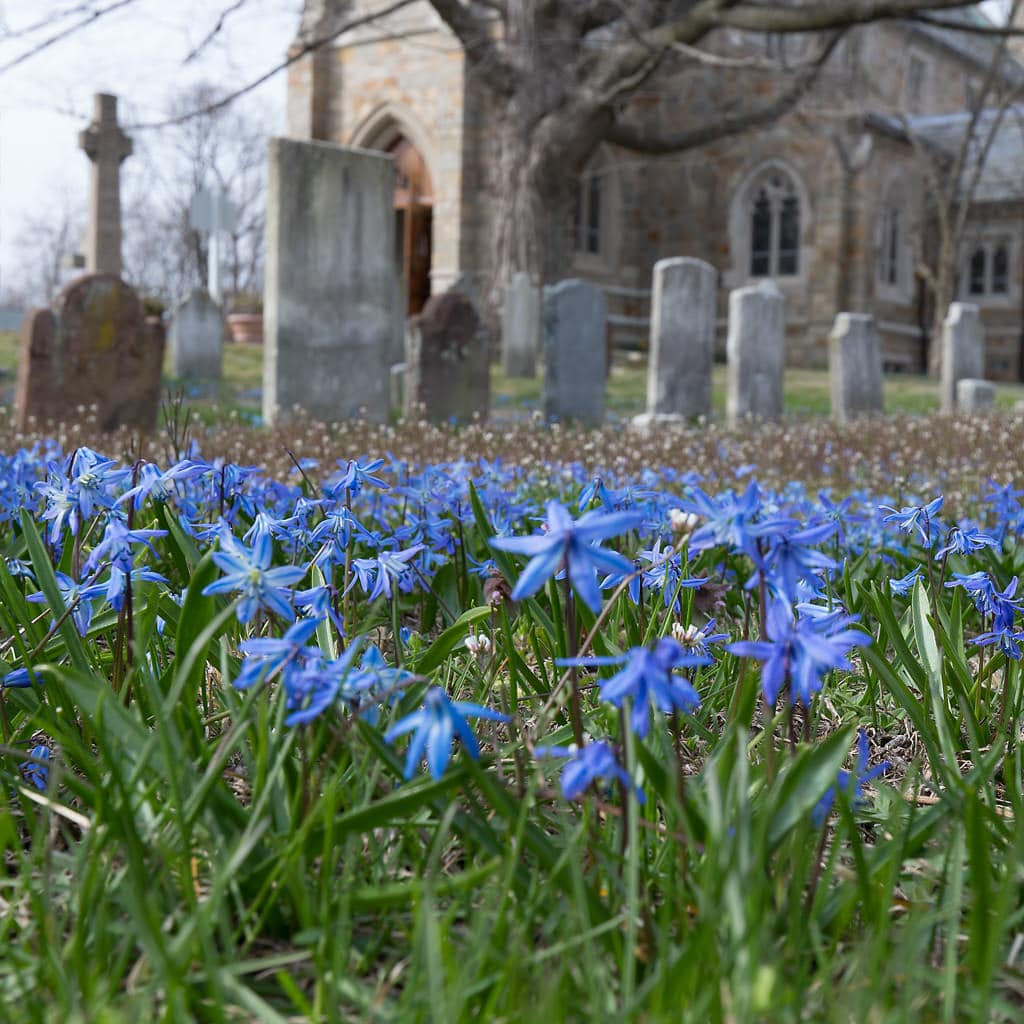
{"type": "Point", "coordinates": [447, 376]}
{"type": "Point", "coordinates": [682, 341]}
{"type": "Point", "coordinates": [855, 367]}
{"type": "Point", "coordinates": [329, 288]}
{"type": "Point", "coordinates": [520, 327]}
{"type": "Point", "coordinates": [974, 395]}
{"type": "Point", "coordinates": [575, 351]}
{"type": "Point", "coordinates": [196, 337]}
{"type": "Point", "coordinates": [963, 351]}
{"type": "Point", "coordinates": [756, 352]}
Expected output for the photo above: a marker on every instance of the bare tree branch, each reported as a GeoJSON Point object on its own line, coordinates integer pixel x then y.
{"type": "Point", "coordinates": [294, 56]}
{"type": "Point", "coordinates": [218, 27]}
{"type": "Point", "coordinates": [640, 139]}
{"type": "Point", "coordinates": [57, 37]}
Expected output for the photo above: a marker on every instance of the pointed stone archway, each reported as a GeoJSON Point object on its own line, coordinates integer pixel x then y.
{"type": "Point", "coordinates": [414, 215]}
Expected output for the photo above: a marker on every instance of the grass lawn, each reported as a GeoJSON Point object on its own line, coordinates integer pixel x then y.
{"type": "Point", "coordinates": [807, 391]}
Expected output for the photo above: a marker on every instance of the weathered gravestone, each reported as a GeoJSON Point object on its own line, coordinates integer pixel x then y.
{"type": "Point", "coordinates": [329, 290]}
{"type": "Point", "coordinates": [575, 351]}
{"type": "Point", "coordinates": [756, 352]}
{"type": "Point", "coordinates": [94, 347]}
{"type": "Point", "coordinates": [963, 351]}
{"type": "Point", "coordinates": [520, 327]}
{"type": "Point", "coordinates": [196, 337]}
{"type": "Point", "coordinates": [447, 376]}
{"type": "Point", "coordinates": [973, 395]}
{"type": "Point", "coordinates": [855, 367]}
{"type": "Point", "coordinates": [106, 145]}
{"type": "Point", "coordinates": [682, 341]}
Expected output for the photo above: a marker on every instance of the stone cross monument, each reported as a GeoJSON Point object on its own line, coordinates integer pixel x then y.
{"type": "Point", "coordinates": [212, 211]}
{"type": "Point", "coordinates": [106, 145]}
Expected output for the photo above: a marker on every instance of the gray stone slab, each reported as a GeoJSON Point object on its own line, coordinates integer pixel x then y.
{"type": "Point", "coordinates": [855, 367]}
{"type": "Point", "coordinates": [575, 352]}
{"type": "Point", "coordinates": [520, 327]}
{"type": "Point", "coordinates": [196, 337]}
{"type": "Point", "coordinates": [330, 282]}
{"type": "Point", "coordinates": [973, 395]}
{"type": "Point", "coordinates": [963, 351]}
{"type": "Point", "coordinates": [447, 375]}
{"type": "Point", "coordinates": [683, 303]}
{"type": "Point", "coordinates": [756, 352]}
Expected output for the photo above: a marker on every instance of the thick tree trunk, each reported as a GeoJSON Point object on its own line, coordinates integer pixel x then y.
{"type": "Point", "coordinates": [547, 135]}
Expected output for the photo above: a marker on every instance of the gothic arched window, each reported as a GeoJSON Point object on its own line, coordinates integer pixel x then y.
{"type": "Point", "coordinates": [1000, 269]}
{"type": "Point", "coordinates": [774, 224]}
{"type": "Point", "coordinates": [889, 271]}
{"type": "Point", "coordinates": [977, 274]}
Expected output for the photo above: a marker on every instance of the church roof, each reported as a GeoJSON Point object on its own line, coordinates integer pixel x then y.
{"type": "Point", "coordinates": [1002, 176]}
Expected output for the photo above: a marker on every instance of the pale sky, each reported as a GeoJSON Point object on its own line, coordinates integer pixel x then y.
{"type": "Point", "coordinates": [136, 53]}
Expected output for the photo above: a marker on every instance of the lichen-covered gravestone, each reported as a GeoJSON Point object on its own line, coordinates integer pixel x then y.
{"type": "Point", "coordinates": [756, 352]}
{"type": "Point", "coordinates": [575, 352]}
{"type": "Point", "coordinates": [520, 327]}
{"type": "Point", "coordinates": [855, 367]}
{"type": "Point", "coordinates": [682, 341]}
{"type": "Point", "coordinates": [94, 347]}
{"type": "Point", "coordinates": [963, 351]}
{"type": "Point", "coordinates": [196, 337]}
{"type": "Point", "coordinates": [447, 377]}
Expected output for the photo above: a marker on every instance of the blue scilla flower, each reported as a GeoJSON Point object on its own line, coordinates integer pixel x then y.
{"type": "Point", "coordinates": [248, 573]}
{"type": "Point", "coordinates": [355, 475]}
{"type": "Point", "coordinates": [1006, 638]}
{"type": "Point", "coordinates": [116, 544]}
{"type": "Point", "coordinates": [376, 575]}
{"type": "Point", "coordinates": [17, 679]}
{"type": "Point", "coordinates": [729, 519]}
{"type": "Point", "coordinates": [574, 546]}
{"type": "Point", "coordinates": [595, 490]}
{"type": "Point", "coordinates": [857, 779]}
{"type": "Point", "coordinates": [800, 650]}
{"type": "Point", "coordinates": [95, 480]}
{"type": "Point", "coordinates": [77, 597]}
{"type": "Point", "coordinates": [266, 656]}
{"type": "Point", "coordinates": [915, 518]}
{"type": "Point", "coordinates": [587, 764]}
{"type": "Point", "coordinates": [162, 485]}
{"type": "Point", "coordinates": [61, 507]}
{"type": "Point", "coordinates": [36, 771]}
{"type": "Point", "coordinates": [792, 559]}
{"type": "Point", "coordinates": [905, 584]}
{"type": "Point", "coordinates": [649, 682]}
{"type": "Point", "coordinates": [966, 539]}
{"type": "Point", "coordinates": [434, 727]}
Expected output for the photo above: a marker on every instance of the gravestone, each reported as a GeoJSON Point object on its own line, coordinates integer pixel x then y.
{"type": "Point", "coordinates": [197, 337]}
{"type": "Point", "coordinates": [575, 351]}
{"type": "Point", "coordinates": [329, 291]}
{"type": "Point", "coordinates": [94, 347]}
{"type": "Point", "coordinates": [756, 352]}
{"type": "Point", "coordinates": [447, 376]}
{"type": "Point", "coordinates": [855, 367]}
{"type": "Point", "coordinates": [107, 146]}
{"type": "Point", "coordinates": [973, 395]}
{"type": "Point", "coordinates": [520, 327]}
{"type": "Point", "coordinates": [963, 351]}
{"type": "Point", "coordinates": [683, 304]}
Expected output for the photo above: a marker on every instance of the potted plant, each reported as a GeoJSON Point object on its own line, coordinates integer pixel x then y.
{"type": "Point", "coordinates": [245, 321]}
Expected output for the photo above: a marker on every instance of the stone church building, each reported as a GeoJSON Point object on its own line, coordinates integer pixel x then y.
{"type": "Point", "coordinates": [830, 201]}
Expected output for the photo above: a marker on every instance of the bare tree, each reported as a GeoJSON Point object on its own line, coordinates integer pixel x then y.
{"type": "Point", "coordinates": [222, 148]}
{"type": "Point", "coordinates": [951, 162]}
{"type": "Point", "coordinates": [47, 240]}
